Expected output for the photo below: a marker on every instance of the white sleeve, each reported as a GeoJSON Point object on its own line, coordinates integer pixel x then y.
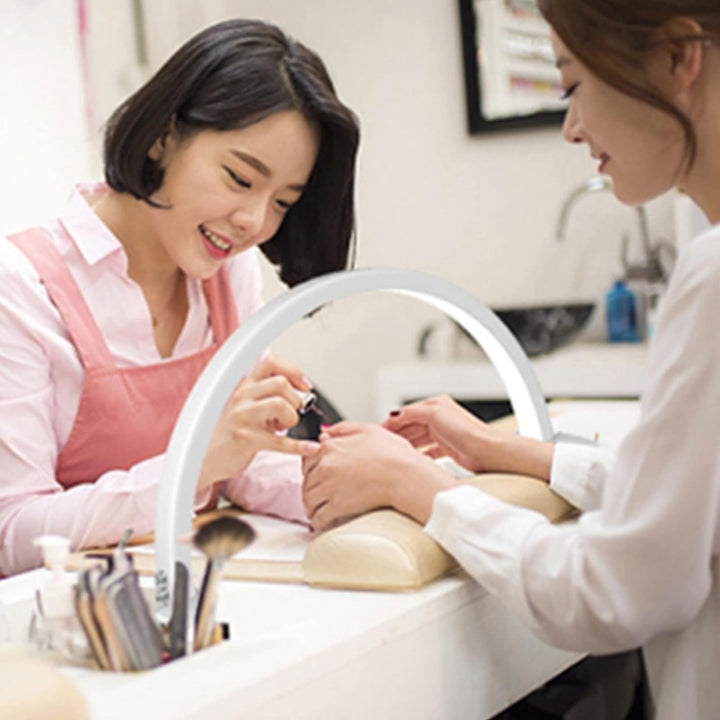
{"type": "Point", "coordinates": [640, 565]}
{"type": "Point", "coordinates": [579, 472]}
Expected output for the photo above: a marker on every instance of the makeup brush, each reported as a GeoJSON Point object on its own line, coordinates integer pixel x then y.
{"type": "Point", "coordinates": [218, 540]}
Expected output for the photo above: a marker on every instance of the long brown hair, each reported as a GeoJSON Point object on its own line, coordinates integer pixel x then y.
{"type": "Point", "coordinates": [614, 39]}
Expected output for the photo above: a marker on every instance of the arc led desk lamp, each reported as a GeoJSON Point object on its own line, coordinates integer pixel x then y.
{"type": "Point", "coordinates": [203, 406]}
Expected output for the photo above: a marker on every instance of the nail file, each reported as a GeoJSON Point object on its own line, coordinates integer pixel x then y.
{"type": "Point", "coordinates": [83, 606]}
{"type": "Point", "coordinates": [116, 655]}
{"type": "Point", "coordinates": [139, 636]}
{"type": "Point", "coordinates": [179, 619]}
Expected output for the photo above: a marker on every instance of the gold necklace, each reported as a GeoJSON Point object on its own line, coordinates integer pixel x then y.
{"type": "Point", "coordinates": [157, 316]}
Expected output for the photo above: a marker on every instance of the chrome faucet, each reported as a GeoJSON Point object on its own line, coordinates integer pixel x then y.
{"type": "Point", "coordinates": [652, 269]}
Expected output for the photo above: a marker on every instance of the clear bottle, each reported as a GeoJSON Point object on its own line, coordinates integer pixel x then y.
{"type": "Point", "coordinates": [55, 627]}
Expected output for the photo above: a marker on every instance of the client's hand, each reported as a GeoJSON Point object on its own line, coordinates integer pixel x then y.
{"type": "Point", "coordinates": [264, 404]}
{"type": "Point", "coordinates": [440, 427]}
{"type": "Point", "coordinates": [363, 467]}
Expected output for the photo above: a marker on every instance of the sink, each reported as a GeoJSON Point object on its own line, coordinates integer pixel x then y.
{"type": "Point", "coordinates": [540, 329]}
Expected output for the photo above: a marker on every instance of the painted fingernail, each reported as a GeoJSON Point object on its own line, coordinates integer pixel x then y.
{"type": "Point", "coordinates": [394, 413]}
{"type": "Point", "coordinates": [325, 426]}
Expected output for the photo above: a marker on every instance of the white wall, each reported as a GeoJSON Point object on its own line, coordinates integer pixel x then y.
{"type": "Point", "coordinates": [479, 211]}
{"type": "Point", "coordinates": [43, 129]}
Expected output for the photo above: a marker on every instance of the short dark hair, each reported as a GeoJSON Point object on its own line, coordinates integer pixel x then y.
{"type": "Point", "coordinates": [229, 76]}
{"type": "Point", "coordinates": [613, 39]}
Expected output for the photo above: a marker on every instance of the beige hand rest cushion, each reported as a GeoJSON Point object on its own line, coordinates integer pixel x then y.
{"type": "Point", "coordinates": [386, 550]}
{"type": "Point", "coordinates": [34, 688]}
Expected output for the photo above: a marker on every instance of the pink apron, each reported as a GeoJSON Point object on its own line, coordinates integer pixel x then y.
{"type": "Point", "coordinates": [125, 415]}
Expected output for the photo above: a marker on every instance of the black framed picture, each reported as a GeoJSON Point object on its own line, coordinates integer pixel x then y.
{"type": "Point", "coordinates": [510, 76]}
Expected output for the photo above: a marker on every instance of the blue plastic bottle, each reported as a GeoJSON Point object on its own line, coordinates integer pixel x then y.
{"type": "Point", "coordinates": [621, 317]}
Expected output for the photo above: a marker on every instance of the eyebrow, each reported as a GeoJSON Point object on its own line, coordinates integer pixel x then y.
{"type": "Point", "coordinates": [261, 167]}
{"type": "Point", "coordinates": [562, 61]}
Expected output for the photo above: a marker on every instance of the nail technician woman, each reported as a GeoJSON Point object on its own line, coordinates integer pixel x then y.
{"type": "Point", "coordinates": [109, 313]}
{"type": "Point", "coordinates": [641, 566]}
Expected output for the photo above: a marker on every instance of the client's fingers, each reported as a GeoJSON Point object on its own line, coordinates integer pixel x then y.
{"type": "Point", "coordinates": [343, 429]}
{"type": "Point", "coordinates": [290, 446]}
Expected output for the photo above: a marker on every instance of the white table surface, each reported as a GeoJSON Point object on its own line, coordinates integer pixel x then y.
{"type": "Point", "coordinates": [448, 651]}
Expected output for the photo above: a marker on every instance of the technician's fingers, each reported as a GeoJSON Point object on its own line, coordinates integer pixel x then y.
{"type": "Point", "coordinates": [271, 414]}
{"type": "Point", "coordinates": [272, 387]}
{"type": "Point", "coordinates": [272, 366]}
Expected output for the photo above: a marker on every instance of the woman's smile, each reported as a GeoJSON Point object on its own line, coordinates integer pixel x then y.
{"type": "Point", "coordinates": [218, 247]}
{"type": "Point", "coordinates": [604, 159]}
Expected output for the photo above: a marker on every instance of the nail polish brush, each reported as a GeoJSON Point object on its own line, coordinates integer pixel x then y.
{"type": "Point", "coordinates": [309, 404]}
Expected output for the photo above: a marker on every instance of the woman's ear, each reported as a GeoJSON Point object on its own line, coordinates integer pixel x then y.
{"type": "Point", "coordinates": [161, 148]}
{"type": "Point", "coordinates": [683, 54]}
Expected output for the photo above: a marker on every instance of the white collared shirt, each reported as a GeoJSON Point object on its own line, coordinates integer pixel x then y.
{"type": "Point", "coordinates": [640, 567]}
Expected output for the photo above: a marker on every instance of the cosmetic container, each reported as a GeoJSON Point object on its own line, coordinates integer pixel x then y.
{"type": "Point", "coordinates": [55, 626]}
{"type": "Point", "coordinates": [621, 311]}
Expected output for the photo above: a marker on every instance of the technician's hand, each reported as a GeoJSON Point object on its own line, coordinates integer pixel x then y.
{"type": "Point", "coordinates": [440, 427]}
{"type": "Point", "coordinates": [262, 406]}
{"type": "Point", "coordinates": [363, 467]}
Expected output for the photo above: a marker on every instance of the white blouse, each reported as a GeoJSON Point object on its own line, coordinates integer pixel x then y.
{"type": "Point", "coordinates": [640, 566]}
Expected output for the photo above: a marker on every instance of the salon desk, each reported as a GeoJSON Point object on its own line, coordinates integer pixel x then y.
{"type": "Point", "coordinates": [449, 651]}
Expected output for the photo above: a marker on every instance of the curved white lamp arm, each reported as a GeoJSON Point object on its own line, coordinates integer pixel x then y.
{"type": "Point", "coordinates": [202, 409]}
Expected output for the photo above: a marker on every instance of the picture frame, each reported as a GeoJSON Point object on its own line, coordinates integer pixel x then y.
{"type": "Point", "coordinates": [550, 110]}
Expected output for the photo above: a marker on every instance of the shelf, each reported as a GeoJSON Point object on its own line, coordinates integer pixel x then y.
{"type": "Point", "coordinates": [583, 370]}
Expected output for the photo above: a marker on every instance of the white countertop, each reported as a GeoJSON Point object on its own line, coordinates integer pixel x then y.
{"type": "Point", "coordinates": [448, 651]}
{"type": "Point", "coordinates": [582, 370]}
